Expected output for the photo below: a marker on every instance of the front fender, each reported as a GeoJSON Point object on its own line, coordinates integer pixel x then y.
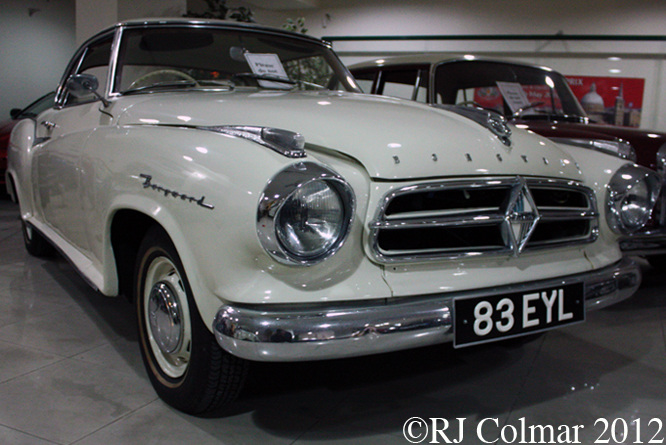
{"type": "Point", "coordinates": [19, 154]}
{"type": "Point", "coordinates": [598, 170]}
{"type": "Point", "coordinates": [204, 189]}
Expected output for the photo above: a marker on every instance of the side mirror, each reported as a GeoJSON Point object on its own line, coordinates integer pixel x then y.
{"type": "Point", "coordinates": [80, 85]}
{"type": "Point", "coordinates": [15, 112]}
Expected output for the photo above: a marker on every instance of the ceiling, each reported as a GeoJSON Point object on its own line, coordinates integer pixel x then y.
{"type": "Point", "coordinates": [286, 5]}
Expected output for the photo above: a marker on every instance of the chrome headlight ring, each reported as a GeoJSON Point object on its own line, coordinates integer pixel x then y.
{"type": "Point", "coordinates": [661, 161]}
{"type": "Point", "coordinates": [632, 194]}
{"type": "Point", "coordinates": [305, 213]}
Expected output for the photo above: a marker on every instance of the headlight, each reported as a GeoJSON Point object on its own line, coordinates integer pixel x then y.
{"type": "Point", "coordinates": [304, 214]}
{"type": "Point", "coordinates": [632, 193]}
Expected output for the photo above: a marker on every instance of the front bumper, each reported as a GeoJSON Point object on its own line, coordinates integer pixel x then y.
{"type": "Point", "coordinates": [314, 332]}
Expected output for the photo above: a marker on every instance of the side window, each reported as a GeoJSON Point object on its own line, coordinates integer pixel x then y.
{"type": "Point", "coordinates": [422, 92]}
{"type": "Point", "coordinates": [462, 96]}
{"type": "Point", "coordinates": [365, 80]}
{"type": "Point", "coordinates": [399, 83]}
{"type": "Point", "coordinates": [94, 60]}
{"type": "Point", "coordinates": [405, 83]}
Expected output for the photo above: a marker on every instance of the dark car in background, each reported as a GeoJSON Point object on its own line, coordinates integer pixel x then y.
{"type": "Point", "coordinates": [31, 111]}
{"type": "Point", "coordinates": [529, 97]}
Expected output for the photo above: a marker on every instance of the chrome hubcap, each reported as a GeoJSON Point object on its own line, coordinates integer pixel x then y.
{"type": "Point", "coordinates": [165, 318]}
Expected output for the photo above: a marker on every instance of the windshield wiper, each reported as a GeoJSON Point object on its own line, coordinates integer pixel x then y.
{"type": "Point", "coordinates": [574, 118]}
{"type": "Point", "coordinates": [178, 84]}
{"type": "Point", "coordinates": [268, 77]}
{"type": "Point", "coordinates": [278, 79]}
{"type": "Point", "coordinates": [520, 112]}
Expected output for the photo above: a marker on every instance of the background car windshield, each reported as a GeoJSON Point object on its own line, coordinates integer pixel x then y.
{"type": "Point", "coordinates": [492, 85]}
{"type": "Point", "coordinates": [151, 58]}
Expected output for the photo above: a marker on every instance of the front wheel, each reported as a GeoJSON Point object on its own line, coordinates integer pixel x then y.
{"type": "Point", "coordinates": [186, 366]}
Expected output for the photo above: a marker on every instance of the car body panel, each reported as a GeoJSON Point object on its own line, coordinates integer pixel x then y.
{"type": "Point", "coordinates": [572, 124]}
{"type": "Point", "coordinates": [7, 126]}
{"type": "Point", "coordinates": [158, 154]}
{"type": "Point", "coordinates": [317, 116]}
{"type": "Point", "coordinates": [646, 142]}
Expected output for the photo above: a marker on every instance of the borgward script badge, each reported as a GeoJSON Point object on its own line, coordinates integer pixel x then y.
{"type": "Point", "coordinates": [520, 217]}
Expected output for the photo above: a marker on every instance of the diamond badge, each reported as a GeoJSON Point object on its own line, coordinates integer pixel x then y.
{"type": "Point", "coordinates": [520, 217]}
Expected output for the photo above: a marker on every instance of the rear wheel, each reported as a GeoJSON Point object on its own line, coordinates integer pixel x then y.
{"type": "Point", "coordinates": [186, 366]}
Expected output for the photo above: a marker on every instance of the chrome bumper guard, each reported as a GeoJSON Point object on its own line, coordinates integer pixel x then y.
{"type": "Point", "coordinates": [315, 332]}
{"type": "Point", "coordinates": [651, 242]}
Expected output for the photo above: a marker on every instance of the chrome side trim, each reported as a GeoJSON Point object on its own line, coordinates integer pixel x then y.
{"type": "Point", "coordinates": [312, 332]}
{"type": "Point", "coordinates": [287, 143]}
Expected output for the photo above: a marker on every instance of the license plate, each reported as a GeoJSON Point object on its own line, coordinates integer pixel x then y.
{"type": "Point", "coordinates": [483, 319]}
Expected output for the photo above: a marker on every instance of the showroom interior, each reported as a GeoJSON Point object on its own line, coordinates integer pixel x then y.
{"type": "Point", "coordinates": [71, 371]}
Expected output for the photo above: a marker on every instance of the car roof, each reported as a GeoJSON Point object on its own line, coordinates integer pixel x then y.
{"type": "Point", "coordinates": [229, 24]}
{"type": "Point", "coordinates": [432, 59]}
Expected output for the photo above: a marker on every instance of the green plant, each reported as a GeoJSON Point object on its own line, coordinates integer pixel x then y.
{"type": "Point", "coordinates": [295, 26]}
{"type": "Point", "coordinates": [217, 9]}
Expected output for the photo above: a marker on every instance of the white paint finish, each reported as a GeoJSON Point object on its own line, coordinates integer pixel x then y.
{"type": "Point", "coordinates": [358, 136]}
{"type": "Point", "coordinates": [376, 130]}
{"type": "Point", "coordinates": [115, 155]}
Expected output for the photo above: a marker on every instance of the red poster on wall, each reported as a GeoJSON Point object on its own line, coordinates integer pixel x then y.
{"type": "Point", "coordinates": [613, 100]}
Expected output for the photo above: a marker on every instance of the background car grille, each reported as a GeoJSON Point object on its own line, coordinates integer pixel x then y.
{"type": "Point", "coordinates": [490, 217]}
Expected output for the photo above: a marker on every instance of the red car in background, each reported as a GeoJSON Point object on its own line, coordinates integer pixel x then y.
{"type": "Point", "coordinates": [529, 97]}
{"type": "Point", "coordinates": [31, 111]}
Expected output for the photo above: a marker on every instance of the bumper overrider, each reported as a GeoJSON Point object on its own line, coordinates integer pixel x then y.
{"type": "Point", "coordinates": [649, 242]}
{"type": "Point", "coordinates": [314, 332]}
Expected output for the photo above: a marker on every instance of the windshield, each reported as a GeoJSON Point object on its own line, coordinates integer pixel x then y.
{"type": "Point", "coordinates": [151, 59]}
{"type": "Point", "coordinates": [512, 90]}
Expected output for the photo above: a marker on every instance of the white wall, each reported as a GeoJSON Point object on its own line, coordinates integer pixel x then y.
{"type": "Point", "coordinates": [397, 17]}
{"type": "Point", "coordinates": [502, 17]}
{"type": "Point", "coordinates": [33, 49]}
{"type": "Point", "coordinates": [93, 16]}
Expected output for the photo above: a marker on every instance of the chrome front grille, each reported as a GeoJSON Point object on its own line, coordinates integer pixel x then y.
{"type": "Point", "coordinates": [484, 217]}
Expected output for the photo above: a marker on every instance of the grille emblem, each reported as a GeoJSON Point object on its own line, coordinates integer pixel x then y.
{"type": "Point", "coordinates": [520, 217]}
{"type": "Point", "coordinates": [497, 124]}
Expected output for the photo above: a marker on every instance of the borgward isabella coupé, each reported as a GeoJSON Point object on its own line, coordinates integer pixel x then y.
{"type": "Point", "coordinates": [234, 184]}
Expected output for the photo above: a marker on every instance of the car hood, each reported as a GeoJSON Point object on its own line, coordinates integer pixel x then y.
{"type": "Point", "coordinates": [646, 142]}
{"type": "Point", "coordinates": [392, 138]}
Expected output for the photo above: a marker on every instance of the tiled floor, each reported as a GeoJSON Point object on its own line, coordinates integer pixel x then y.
{"type": "Point", "coordinates": [70, 373]}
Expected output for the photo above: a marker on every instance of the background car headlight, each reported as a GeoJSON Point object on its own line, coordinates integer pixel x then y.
{"type": "Point", "coordinates": [305, 214]}
{"type": "Point", "coordinates": [632, 194]}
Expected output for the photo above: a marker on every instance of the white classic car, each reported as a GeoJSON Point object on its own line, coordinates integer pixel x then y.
{"type": "Point", "coordinates": [233, 183]}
